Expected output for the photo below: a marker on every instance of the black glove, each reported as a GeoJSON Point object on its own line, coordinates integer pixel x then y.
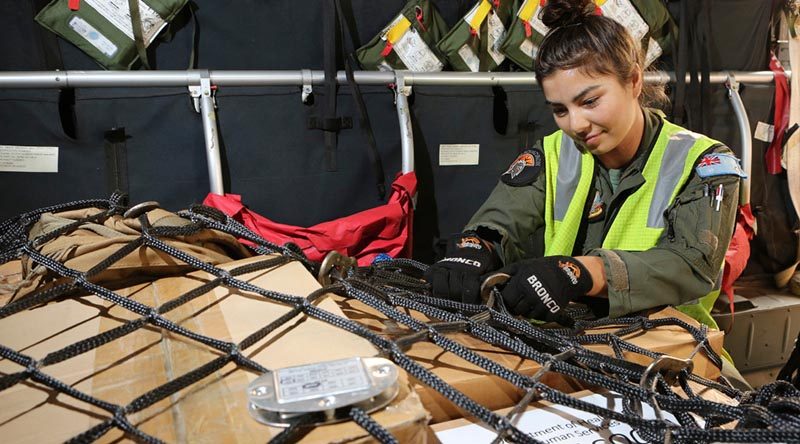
{"type": "Point", "coordinates": [542, 288]}
{"type": "Point", "coordinates": [458, 275]}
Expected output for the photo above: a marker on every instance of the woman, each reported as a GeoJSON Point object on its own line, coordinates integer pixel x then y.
{"type": "Point", "coordinates": [620, 208]}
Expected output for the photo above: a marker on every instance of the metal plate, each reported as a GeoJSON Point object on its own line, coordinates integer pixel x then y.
{"type": "Point", "coordinates": [322, 392]}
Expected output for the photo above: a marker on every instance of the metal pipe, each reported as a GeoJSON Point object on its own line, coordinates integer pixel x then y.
{"type": "Point", "coordinates": [744, 134]}
{"type": "Point", "coordinates": [209, 116]}
{"type": "Point", "coordinates": [404, 118]}
{"type": "Point", "coordinates": [108, 79]}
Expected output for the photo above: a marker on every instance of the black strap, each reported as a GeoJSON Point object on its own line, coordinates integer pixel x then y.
{"type": "Point", "coordinates": [138, 32]}
{"type": "Point", "coordinates": [789, 133]}
{"type": "Point", "coordinates": [704, 53]}
{"type": "Point", "coordinates": [48, 42]}
{"type": "Point", "coordinates": [328, 118]}
{"type": "Point", "coordinates": [195, 36]}
{"type": "Point", "coordinates": [691, 105]}
{"type": "Point", "coordinates": [116, 160]}
{"type": "Point", "coordinates": [355, 90]}
{"type": "Point", "coordinates": [789, 372]}
{"type": "Point", "coordinates": [51, 55]}
{"type": "Point", "coordinates": [681, 62]}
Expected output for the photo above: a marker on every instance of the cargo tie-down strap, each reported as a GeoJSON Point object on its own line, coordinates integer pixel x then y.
{"type": "Point", "coordinates": [393, 288]}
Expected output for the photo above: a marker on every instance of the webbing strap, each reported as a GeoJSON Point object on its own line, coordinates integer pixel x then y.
{"type": "Point", "coordinates": [366, 127]}
{"type": "Point", "coordinates": [138, 32]}
{"type": "Point", "coordinates": [116, 160]}
{"type": "Point", "coordinates": [329, 35]}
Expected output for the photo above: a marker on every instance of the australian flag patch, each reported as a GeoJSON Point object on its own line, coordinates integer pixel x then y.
{"type": "Point", "coordinates": [524, 169]}
{"type": "Point", "coordinates": [719, 164]}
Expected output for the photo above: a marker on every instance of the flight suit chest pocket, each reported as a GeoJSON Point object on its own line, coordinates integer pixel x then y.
{"type": "Point", "coordinates": [692, 224]}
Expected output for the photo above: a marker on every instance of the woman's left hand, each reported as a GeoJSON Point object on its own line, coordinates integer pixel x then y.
{"type": "Point", "coordinates": [542, 288]}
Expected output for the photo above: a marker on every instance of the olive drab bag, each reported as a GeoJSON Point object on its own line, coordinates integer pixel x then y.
{"type": "Point", "coordinates": [648, 21]}
{"type": "Point", "coordinates": [408, 42]}
{"type": "Point", "coordinates": [522, 40]}
{"type": "Point", "coordinates": [473, 43]}
{"type": "Point", "coordinates": [93, 242]}
{"type": "Point", "coordinates": [116, 33]}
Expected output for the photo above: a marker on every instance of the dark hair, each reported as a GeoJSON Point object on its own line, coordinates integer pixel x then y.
{"type": "Point", "coordinates": [595, 44]}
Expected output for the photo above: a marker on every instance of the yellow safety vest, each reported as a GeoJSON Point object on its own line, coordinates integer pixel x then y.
{"type": "Point", "coordinates": [640, 221]}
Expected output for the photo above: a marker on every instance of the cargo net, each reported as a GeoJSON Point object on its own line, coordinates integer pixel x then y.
{"type": "Point", "coordinates": [393, 288]}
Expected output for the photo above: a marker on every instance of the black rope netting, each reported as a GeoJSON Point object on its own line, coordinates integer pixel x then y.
{"type": "Point", "coordinates": [394, 289]}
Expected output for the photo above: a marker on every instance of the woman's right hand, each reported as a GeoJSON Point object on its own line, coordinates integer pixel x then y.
{"type": "Point", "coordinates": [458, 275]}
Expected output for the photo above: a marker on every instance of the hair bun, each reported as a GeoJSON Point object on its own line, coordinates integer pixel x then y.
{"type": "Point", "coordinates": [557, 13]}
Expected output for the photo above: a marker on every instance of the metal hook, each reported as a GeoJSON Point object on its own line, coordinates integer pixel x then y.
{"type": "Point", "coordinates": [334, 260]}
{"type": "Point", "coordinates": [670, 368]}
{"type": "Point", "coordinates": [488, 287]}
{"type": "Point", "coordinates": [307, 78]}
{"type": "Point", "coordinates": [139, 209]}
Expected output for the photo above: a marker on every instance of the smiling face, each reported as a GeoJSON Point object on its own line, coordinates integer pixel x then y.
{"type": "Point", "coordinates": [598, 111]}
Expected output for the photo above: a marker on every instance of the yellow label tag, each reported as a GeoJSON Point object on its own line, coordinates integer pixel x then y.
{"type": "Point", "coordinates": [599, 2]}
{"type": "Point", "coordinates": [528, 9]}
{"type": "Point", "coordinates": [480, 15]}
{"type": "Point", "coordinates": [398, 29]}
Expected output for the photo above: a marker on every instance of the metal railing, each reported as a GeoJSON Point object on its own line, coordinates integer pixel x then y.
{"type": "Point", "coordinates": [201, 82]}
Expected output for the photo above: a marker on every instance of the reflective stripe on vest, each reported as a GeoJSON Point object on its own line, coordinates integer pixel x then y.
{"type": "Point", "coordinates": [640, 221]}
{"type": "Point", "coordinates": [567, 186]}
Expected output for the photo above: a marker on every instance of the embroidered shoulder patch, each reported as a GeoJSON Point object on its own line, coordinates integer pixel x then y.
{"type": "Point", "coordinates": [719, 164]}
{"type": "Point", "coordinates": [524, 169]}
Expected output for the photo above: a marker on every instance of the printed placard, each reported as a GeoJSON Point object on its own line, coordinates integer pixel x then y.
{"type": "Point", "coordinates": [621, 11]}
{"type": "Point", "coordinates": [626, 14]}
{"type": "Point", "coordinates": [653, 52]}
{"type": "Point", "coordinates": [564, 425]}
{"type": "Point", "coordinates": [459, 154]}
{"type": "Point", "coordinates": [537, 23]}
{"type": "Point", "coordinates": [497, 33]}
{"type": "Point", "coordinates": [92, 35]}
{"type": "Point", "coordinates": [529, 48]}
{"type": "Point", "coordinates": [28, 159]}
{"type": "Point", "coordinates": [118, 14]}
{"type": "Point", "coordinates": [416, 54]}
{"type": "Point", "coordinates": [470, 58]}
{"type": "Point", "coordinates": [322, 379]}
{"type": "Point", "coordinates": [764, 132]}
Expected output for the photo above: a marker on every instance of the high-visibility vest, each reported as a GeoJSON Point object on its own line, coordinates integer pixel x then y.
{"type": "Point", "coordinates": [640, 220]}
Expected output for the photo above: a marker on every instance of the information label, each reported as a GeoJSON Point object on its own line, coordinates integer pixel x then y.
{"type": "Point", "coordinates": [118, 14]}
{"type": "Point", "coordinates": [29, 159]}
{"type": "Point", "coordinates": [563, 425]}
{"type": "Point", "coordinates": [470, 58]}
{"type": "Point", "coordinates": [318, 380]}
{"type": "Point", "coordinates": [93, 36]}
{"type": "Point", "coordinates": [416, 54]}
{"type": "Point", "coordinates": [459, 154]}
{"type": "Point", "coordinates": [497, 33]}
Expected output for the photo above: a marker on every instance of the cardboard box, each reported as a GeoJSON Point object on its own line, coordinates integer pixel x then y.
{"type": "Point", "coordinates": [496, 393]}
{"type": "Point", "coordinates": [213, 409]}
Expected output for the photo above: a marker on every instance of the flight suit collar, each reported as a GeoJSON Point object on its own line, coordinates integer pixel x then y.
{"type": "Point", "coordinates": [631, 177]}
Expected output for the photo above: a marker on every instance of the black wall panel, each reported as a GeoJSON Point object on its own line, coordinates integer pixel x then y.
{"type": "Point", "coordinates": [269, 155]}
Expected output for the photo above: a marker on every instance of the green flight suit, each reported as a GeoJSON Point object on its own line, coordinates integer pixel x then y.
{"type": "Point", "coordinates": [684, 265]}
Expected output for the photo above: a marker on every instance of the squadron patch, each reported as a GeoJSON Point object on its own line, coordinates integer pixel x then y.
{"type": "Point", "coordinates": [719, 164]}
{"type": "Point", "coordinates": [597, 209]}
{"type": "Point", "coordinates": [524, 169]}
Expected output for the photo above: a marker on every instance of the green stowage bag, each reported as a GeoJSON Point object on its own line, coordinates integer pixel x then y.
{"type": "Point", "coordinates": [473, 43]}
{"type": "Point", "coordinates": [408, 42]}
{"type": "Point", "coordinates": [522, 39]}
{"type": "Point", "coordinates": [648, 21]}
{"type": "Point", "coordinates": [103, 29]}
